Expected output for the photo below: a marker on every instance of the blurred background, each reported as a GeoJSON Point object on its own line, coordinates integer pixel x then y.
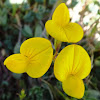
{"type": "Point", "coordinates": [23, 19]}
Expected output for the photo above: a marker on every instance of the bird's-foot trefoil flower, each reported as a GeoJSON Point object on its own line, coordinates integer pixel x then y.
{"type": "Point", "coordinates": [34, 58]}
{"type": "Point", "coordinates": [71, 66]}
{"type": "Point", "coordinates": [61, 29]}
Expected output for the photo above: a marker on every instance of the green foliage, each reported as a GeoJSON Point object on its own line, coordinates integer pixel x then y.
{"type": "Point", "coordinates": [22, 95]}
{"type": "Point", "coordinates": [29, 17]}
{"type": "Point", "coordinates": [3, 16]}
{"type": "Point", "coordinates": [38, 30]}
{"type": "Point", "coordinates": [17, 48]}
{"type": "Point", "coordinates": [37, 91]}
{"type": "Point", "coordinates": [51, 2]}
{"type": "Point", "coordinates": [16, 76]}
{"type": "Point", "coordinates": [92, 95]}
{"type": "Point", "coordinates": [39, 1]}
{"type": "Point", "coordinates": [73, 4]}
{"type": "Point", "coordinates": [27, 31]}
{"type": "Point", "coordinates": [8, 42]}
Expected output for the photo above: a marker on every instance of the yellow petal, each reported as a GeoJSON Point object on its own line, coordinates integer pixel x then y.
{"type": "Point", "coordinates": [40, 63]}
{"type": "Point", "coordinates": [56, 31]}
{"type": "Point", "coordinates": [40, 53]}
{"type": "Point", "coordinates": [73, 86]}
{"type": "Point", "coordinates": [74, 32]}
{"type": "Point", "coordinates": [63, 63]}
{"type": "Point", "coordinates": [61, 15]}
{"type": "Point", "coordinates": [34, 46]}
{"type": "Point", "coordinates": [60, 28]}
{"type": "Point", "coordinates": [16, 63]}
{"type": "Point", "coordinates": [81, 62]}
{"type": "Point", "coordinates": [73, 59]}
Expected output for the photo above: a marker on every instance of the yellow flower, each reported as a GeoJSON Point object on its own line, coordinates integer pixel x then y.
{"type": "Point", "coordinates": [35, 58]}
{"type": "Point", "coordinates": [60, 28]}
{"type": "Point", "coordinates": [71, 66]}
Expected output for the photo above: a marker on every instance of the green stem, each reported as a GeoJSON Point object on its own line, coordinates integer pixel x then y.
{"type": "Point", "coordinates": [66, 98]}
{"type": "Point", "coordinates": [51, 87]}
{"type": "Point", "coordinates": [57, 47]}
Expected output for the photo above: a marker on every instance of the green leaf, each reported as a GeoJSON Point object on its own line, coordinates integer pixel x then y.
{"type": "Point", "coordinates": [22, 94]}
{"type": "Point", "coordinates": [29, 17]}
{"type": "Point", "coordinates": [38, 30]}
{"type": "Point", "coordinates": [27, 31]}
{"type": "Point", "coordinates": [16, 76]}
{"type": "Point", "coordinates": [14, 9]}
{"type": "Point", "coordinates": [37, 91]}
{"type": "Point", "coordinates": [3, 17]}
{"type": "Point", "coordinates": [41, 9]}
{"type": "Point", "coordinates": [73, 3]}
{"type": "Point", "coordinates": [73, 99]}
{"type": "Point", "coordinates": [25, 7]}
{"type": "Point", "coordinates": [59, 85]}
{"type": "Point", "coordinates": [39, 1]}
{"type": "Point", "coordinates": [97, 46]}
{"type": "Point", "coordinates": [8, 42]}
{"type": "Point", "coordinates": [7, 4]}
{"type": "Point", "coordinates": [97, 62]}
{"type": "Point", "coordinates": [17, 48]}
{"type": "Point", "coordinates": [92, 95]}
{"type": "Point", "coordinates": [5, 83]}
{"type": "Point", "coordinates": [4, 20]}
{"type": "Point", "coordinates": [55, 91]}
{"type": "Point", "coordinates": [51, 2]}
{"type": "Point", "coordinates": [94, 29]}
{"type": "Point", "coordinates": [39, 16]}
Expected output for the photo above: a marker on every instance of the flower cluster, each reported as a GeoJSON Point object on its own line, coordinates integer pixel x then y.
{"type": "Point", "coordinates": [73, 62]}
{"type": "Point", "coordinates": [71, 65]}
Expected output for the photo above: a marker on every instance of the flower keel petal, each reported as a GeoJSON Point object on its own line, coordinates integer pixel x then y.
{"type": "Point", "coordinates": [73, 86]}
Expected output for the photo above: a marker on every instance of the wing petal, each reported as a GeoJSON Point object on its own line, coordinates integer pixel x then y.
{"type": "Point", "coordinates": [16, 63]}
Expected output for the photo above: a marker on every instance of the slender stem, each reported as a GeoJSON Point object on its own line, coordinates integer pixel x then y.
{"type": "Point", "coordinates": [66, 98]}
{"type": "Point", "coordinates": [20, 27]}
{"type": "Point", "coordinates": [57, 50]}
